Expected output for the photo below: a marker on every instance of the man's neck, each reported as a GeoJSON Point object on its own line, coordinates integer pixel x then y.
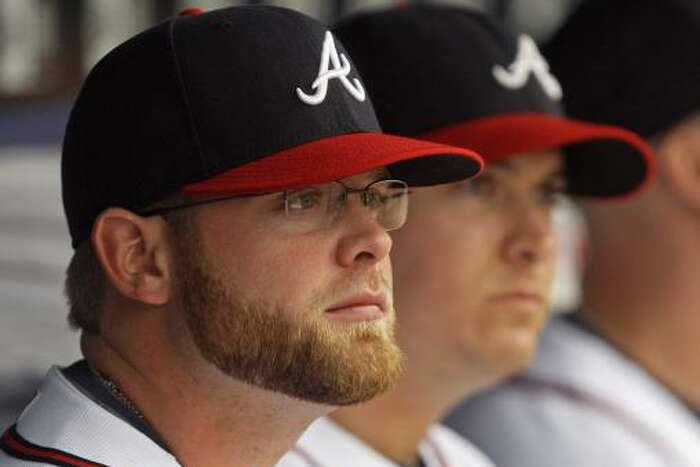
{"type": "Point", "coordinates": [644, 297]}
{"type": "Point", "coordinates": [251, 428]}
{"type": "Point", "coordinates": [205, 417]}
{"type": "Point", "coordinates": [390, 424]}
{"type": "Point", "coordinates": [395, 423]}
{"type": "Point", "coordinates": [661, 338]}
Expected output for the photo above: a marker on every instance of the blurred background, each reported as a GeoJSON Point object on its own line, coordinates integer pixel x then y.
{"type": "Point", "coordinates": [46, 48]}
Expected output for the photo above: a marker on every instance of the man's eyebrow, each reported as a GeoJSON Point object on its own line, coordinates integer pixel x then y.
{"type": "Point", "coordinates": [554, 171]}
{"type": "Point", "coordinates": [378, 174]}
{"type": "Point", "coordinates": [558, 170]}
{"type": "Point", "coordinates": [382, 172]}
{"type": "Point", "coordinates": [503, 164]}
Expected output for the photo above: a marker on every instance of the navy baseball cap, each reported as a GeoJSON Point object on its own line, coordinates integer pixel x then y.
{"type": "Point", "coordinates": [238, 100]}
{"type": "Point", "coordinates": [633, 63]}
{"type": "Point", "coordinates": [454, 76]}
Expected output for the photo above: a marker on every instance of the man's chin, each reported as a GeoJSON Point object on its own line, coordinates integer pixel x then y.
{"type": "Point", "coordinates": [338, 367]}
{"type": "Point", "coordinates": [515, 352]}
{"type": "Point", "coordinates": [373, 363]}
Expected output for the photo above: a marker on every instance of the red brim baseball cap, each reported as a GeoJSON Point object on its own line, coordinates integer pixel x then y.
{"type": "Point", "coordinates": [233, 101]}
{"type": "Point", "coordinates": [601, 160]}
{"type": "Point", "coordinates": [454, 76]}
{"type": "Point", "coordinates": [417, 162]}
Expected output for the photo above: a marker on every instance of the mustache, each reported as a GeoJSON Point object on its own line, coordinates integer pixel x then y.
{"type": "Point", "coordinates": [375, 283]}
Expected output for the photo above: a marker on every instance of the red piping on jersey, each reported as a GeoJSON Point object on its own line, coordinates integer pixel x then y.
{"type": "Point", "coordinates": [306, 456]}
{"type": "Point", "coordinates": [436, 449]}
{"type": "Point", "coordinates": [16, 446]}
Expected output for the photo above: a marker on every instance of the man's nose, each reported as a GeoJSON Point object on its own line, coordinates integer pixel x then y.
{"type": "Point", "coordinates": [364, 239]}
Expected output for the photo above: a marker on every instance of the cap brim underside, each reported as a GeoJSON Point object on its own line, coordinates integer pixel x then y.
{"type": "Point", "coordinates": [602, 161]}
{"type": "Point", "coordinates": [417, 162]}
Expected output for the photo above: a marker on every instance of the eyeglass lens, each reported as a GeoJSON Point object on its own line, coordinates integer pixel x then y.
{"type": "Point", "coordinates": [319, 206]}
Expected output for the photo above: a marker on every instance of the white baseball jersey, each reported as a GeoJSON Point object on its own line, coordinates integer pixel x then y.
{"type": "Point", "coordinates": [325, 444]}
{"type": "Point", "coordinates": [583, 403]}
{"type": "Point", "coordinates": [73, 421]}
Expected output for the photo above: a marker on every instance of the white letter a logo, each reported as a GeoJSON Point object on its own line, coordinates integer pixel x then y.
{"type": "Point", "coordinates": [340, 70]}
{"type": "Point", "coordinates": [528, 61]}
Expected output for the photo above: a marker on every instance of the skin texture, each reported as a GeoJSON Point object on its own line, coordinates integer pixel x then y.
{"type": "Point", "coordinates": [640, 287]}
{"type": "Point", "coordinates": [285, 343]}
{"type": "Point", "coordinates": [473, 268]}
{"type": "Point", "coordinates": [219, 322]}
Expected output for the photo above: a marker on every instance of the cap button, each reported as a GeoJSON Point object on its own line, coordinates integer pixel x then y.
{"type": "Point", "coordinates": [191, 11]}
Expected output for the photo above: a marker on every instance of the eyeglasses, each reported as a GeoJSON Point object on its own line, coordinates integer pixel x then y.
{"type": "Point", "coordinates": [318, 207]}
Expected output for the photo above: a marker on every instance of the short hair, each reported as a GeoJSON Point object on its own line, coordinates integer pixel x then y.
{"type": "Point", "coordinates": [84, 289]}
{"type": "Point", "coordinates": [86, 281]}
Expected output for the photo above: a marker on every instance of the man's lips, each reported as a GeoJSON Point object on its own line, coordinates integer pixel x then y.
{"type": "Point", "coordinates": [517, 296]}
{"type": "Point", "coordinates": [365, 307]}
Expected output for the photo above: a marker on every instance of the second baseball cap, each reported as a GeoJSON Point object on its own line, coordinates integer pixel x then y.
{"type": "Point", "coordinates": [237, 100]}
{"type": "Point", "coordinates": [454, 76]}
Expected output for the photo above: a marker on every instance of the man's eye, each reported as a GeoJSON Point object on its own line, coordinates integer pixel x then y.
{"type": "Point", "coordinates": [552, 191]}
{"type": "Point", "coordinates": [373, 198]}
{"type": "Point", "coordinates": [549, 195]}
{"type": "Point", "coordinates": [303, 200]}
{"type": "Point", "coordinates": [484, 185]}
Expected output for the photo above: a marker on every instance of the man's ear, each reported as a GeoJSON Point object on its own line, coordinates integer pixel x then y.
{"type": "Point", "coordinates": [679, 163]}
{"type": "Point", "coordinates": [133, 253]}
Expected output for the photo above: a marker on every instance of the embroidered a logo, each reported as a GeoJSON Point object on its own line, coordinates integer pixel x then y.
{"type": "Point", "coordinates": [340, 70]}
{"type": "Point", "coordinates": [528, 61]}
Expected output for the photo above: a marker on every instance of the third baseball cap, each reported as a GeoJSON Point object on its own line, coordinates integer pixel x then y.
{"type": "Point", "coordinates": [639, 69]}
{"type": "Point", "coordinates": [238, 100]}
{"type": "Point", "coordinates": [454, 76]}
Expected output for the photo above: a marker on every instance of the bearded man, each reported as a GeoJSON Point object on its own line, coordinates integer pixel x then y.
{"type": "Point", "coordinates": [229, 201]}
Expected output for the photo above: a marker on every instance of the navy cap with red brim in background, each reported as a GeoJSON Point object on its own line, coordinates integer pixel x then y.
{"type": "Point", "coordinates": [454, 76]}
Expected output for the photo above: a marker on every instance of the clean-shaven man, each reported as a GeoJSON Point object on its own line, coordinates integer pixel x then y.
{"type": "Point", "coordinates": [618, 382]}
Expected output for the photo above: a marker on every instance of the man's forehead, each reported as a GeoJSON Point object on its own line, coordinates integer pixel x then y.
{"type": "Point", "coordinates": [549, 160]}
